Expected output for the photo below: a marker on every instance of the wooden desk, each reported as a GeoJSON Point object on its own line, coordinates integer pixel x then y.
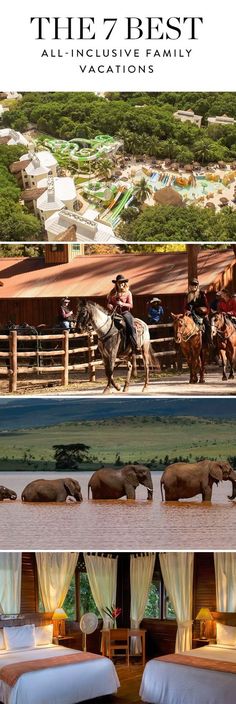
{"type": "Point", "coordinates": [140, 632]}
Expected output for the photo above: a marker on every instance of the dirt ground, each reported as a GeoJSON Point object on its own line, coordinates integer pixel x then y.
{"type": "Point", "coordinates": [169, 383]}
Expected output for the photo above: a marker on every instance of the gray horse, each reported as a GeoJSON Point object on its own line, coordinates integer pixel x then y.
{"type": "Point", "coordinates": [111, 342]}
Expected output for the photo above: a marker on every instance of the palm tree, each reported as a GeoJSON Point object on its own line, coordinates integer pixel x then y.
{"type": "Point", "coordinates": [105, 167]}
{"type": "Point", "coordinates": [142, 190]}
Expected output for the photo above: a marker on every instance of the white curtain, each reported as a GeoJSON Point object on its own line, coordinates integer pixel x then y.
{"type": "Point", "coordinates": [141, 573]}
{"type": "Point", "coordinates": [55, 572]}
{"type": "Point", "coordinates": [10, 582]}
{"type": "Point", "coordinates": [102, 576]}
{"type": "Point", "coordinates": [177, 572]}
{"type": "Point", "coordinates": [225, 574]}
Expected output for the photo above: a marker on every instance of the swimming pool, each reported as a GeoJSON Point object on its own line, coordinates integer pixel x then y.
{"type": "Point", "coordinates": [201, 188]}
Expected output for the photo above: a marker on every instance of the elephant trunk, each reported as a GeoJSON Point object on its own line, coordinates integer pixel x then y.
{"type": "Point", "coordinates": [149, 485]}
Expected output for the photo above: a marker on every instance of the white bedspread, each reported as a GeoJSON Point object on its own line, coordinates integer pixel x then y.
{"type": "Point", "coordinates": [68, 684]}
{"type": "Point", "coordinates": [167, 683]}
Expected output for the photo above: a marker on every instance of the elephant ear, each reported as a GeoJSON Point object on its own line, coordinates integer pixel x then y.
{"type": "Point", "coordinates": [215, 471]}
{"type": "Point", "coordinates": [131, 476]}
{"type": "Point", "coordinates": [69, 486]}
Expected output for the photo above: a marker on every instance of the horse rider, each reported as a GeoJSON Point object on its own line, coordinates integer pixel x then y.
{"type": "Point", "coordinates": [65, 315]}
{"type": "Point", "coordinates": [216, 302]}
{"type": "Point", "coordinates": [120, 300]}
{"type": "Point", "coordinates": [227, 305]}
{"type": "Point", "coordinates": [155, 311]}
{"type": "Point", "coordinates": [197, 306]}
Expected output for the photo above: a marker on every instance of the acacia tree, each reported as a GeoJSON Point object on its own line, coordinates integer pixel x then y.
{"type": "Point", "coordinates": [70, 456]}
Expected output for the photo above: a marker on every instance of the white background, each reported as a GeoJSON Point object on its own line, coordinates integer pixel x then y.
{"type": "Point", "coordinates": [210, 68]}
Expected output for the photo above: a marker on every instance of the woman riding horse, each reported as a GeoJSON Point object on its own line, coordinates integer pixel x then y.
{"type": "Point", "coordinates": [196, 304]}
{"type": "Point", "coordinates": [120, 299]}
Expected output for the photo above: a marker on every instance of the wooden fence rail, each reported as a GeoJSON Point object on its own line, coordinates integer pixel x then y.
{"type": "Point", "coordinates": [26, 354]}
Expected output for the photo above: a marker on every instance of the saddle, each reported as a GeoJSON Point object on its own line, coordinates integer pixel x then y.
{"type": "Point", "coordinates": [120, 324]}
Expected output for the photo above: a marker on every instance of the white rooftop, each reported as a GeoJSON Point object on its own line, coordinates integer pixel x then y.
{"type": "Point", "coordinates": [14, 136]}
{"type": "Point", "coordinates": [64, 188]}
{"type": "Point", "coordinates": [222, 119]}
{"type": "Point", "coordinates": [41, 162]}
{"type": "Point", "coordinates": [86, 230]}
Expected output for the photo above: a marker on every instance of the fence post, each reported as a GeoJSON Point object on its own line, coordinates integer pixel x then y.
{"type": "Point", "coordinates": [65, 347]}
{"type": "Point", "coordinates": [91, 357]}
{"type": "Point", "coordinates": [13, 361]}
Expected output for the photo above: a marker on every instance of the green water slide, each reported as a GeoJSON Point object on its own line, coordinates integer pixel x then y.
{"type": "Point", "coordinates": [113, 217]}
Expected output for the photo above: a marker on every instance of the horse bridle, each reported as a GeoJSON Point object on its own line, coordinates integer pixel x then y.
{"type": "Point", "coordinates": [222, 334]}
{"type": "Point", "coordinates": [188, 337]}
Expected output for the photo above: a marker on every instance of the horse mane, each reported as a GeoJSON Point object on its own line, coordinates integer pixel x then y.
{"type": "Point", "coordinates": [97, 305]}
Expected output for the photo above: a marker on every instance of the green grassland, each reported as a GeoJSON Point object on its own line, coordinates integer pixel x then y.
{"type": "Point", "coordinates": [141, 439]}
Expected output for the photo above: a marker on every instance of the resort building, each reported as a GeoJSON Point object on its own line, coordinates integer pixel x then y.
{"type": "Point", "coordinates": [66, 224]}
{"type": "Point", "coordinates": [38, 167]}
{"type": "Point", "coordinates": [12, 137]}
{"type": "Point", "coordinates": [59, 192]}
{"type": "Point", "coordinates": [221, 120]}
{"type": "Point", "coordinates": [188, 116]}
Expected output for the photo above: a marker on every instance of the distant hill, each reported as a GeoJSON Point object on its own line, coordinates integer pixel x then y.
{"type": "Point", "coordinates": [32, 413]}
{"type": "Point", "coordinates": [147, 439]}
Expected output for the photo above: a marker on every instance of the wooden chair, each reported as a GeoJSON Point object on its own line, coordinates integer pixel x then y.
{"type": "Point", "coordinates": [118, 643]}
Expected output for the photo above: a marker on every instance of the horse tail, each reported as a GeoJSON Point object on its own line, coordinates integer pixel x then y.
{"type": "Point", "coordinates": [153, 359]}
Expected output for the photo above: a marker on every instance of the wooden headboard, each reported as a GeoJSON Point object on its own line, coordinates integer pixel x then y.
{"type": "Point", "coordinates": [228, 618]}
{"type": "Point", "coordinates": [39, 619]}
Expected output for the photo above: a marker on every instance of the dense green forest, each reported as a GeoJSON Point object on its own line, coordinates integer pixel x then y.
{"type": "Point", "coordinates": [189, 224]}
{"type": "Point", "coordinates": [149, 128]}
{"type": "Point", "coordinates": [15, 221]}
{"type": "Point", "coordinates": [146, 124]}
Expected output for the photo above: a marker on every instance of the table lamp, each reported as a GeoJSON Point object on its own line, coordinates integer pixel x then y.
{"type": "Point", "coordinates": [58, 619]}
{"type": "Point", "coordinates": [203, 616]}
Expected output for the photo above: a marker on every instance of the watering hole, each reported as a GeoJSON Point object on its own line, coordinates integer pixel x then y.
{"type": "Point", "coordinates": [116, 525]}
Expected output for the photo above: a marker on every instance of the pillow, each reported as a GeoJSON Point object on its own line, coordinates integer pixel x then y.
{"type": "Point", "coordinates": [19, 637]}
{"type": "Point", "coordinates": [43, 634]}
{"type": "Point", "coordinates": [2, 641]}
{"type": "Point", "coordinates": [225, 635]}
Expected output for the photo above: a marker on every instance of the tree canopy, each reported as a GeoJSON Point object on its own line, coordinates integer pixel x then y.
{"type": "Point", "coordinates": [143, 120]}
{"type": "Point", "coordinates": [16, 223]}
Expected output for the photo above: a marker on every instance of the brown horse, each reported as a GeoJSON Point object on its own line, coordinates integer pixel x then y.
{"type": "Point", "coordinates": [223, 334]}
{"type": "Point", "coordinates": [189, 337]}
{"type": "Point", "coordinates": [111, 345]}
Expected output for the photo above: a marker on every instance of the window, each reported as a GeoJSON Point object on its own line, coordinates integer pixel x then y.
{"type": "Point", "coordinates": [87, 602]}
{"type": "Point", "coordinates": [158, 603]}
{"type": "Point", "coordinates": [79, 597]}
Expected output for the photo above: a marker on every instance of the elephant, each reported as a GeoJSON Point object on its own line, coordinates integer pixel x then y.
{"type": "Point", "coordinates": [52, 490]}
{"type": "Point", "coordinates": [183, 480]}
{"type": "Point", "coordinates": [7, 494]}
{"type": "Point", "coordinates": [110, 483]}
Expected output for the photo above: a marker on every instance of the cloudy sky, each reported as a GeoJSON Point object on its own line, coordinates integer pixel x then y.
{"type": "Point", "coordinates": [34, 412]}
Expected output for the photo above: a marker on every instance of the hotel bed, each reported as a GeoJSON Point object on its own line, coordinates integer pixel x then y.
{"type": "Point", "coordinates": [66, 684]}
{"type": "Point", "coordinates": [166, 682]}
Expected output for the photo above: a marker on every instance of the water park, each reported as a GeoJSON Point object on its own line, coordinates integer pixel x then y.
{"type": "Point", "coordinates": [109, 194]}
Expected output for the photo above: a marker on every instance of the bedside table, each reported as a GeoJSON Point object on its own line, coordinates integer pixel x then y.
{"type": "Point", "coordinates": [69, 640]}
{"type": "Point", "coordinates": [199, 642]}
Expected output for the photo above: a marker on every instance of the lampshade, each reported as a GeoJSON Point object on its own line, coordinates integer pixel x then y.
{"type": "Point", "coordinates": [204, 615]}
{"type": "Point", "coordinates": [59, 614]}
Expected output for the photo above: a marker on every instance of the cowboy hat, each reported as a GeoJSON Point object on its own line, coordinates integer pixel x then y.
{"type": "Point", "coordinates": [155, 300]}
{"type": "Point", "coordinates": [64, 299]}
{"type": "Point", "coordinates": [194, 282]}
{"type": "Point", "coordinates": [120, 279]}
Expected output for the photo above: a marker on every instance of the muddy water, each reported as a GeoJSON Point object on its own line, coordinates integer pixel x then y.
{"type": "Point", "coordinates": [113, 525]}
